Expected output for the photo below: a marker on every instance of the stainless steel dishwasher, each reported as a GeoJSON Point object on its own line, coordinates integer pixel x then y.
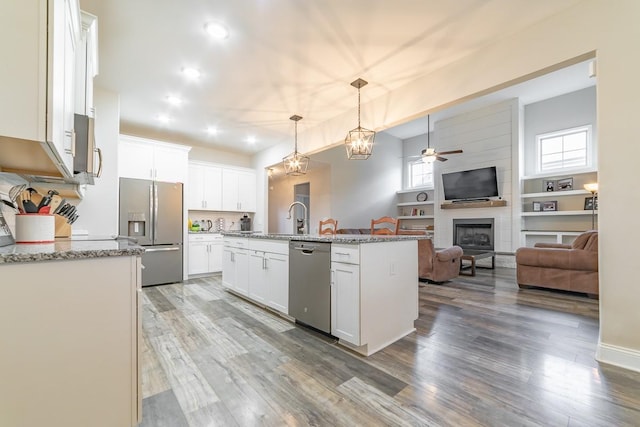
{"type": "Point", "coordinates": [310, 283]}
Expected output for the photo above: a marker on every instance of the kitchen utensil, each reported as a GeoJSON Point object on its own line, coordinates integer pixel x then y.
{"type": "Point", "coordinates": [46, 200]}
{"type": "Point", "coordinates": [30, 197]}
{"type": "Point", "coordinates": [35, 228]}
{"type": "Point", "coordinates": [56, 202]}
{"type": "Point", "coordinates": [209, 225]}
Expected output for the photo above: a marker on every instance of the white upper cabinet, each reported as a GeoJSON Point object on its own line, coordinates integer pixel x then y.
{"type": "Point", "coordinates": [205, 187]}
{"type": "Point", "coordinates": [146, 159]}
{"type": "Point", "coordinates": [86, 64]}
{"type": "Point", "coordinates": [238, 190]}
{"type": "Point", "coordinates": [37, 83]}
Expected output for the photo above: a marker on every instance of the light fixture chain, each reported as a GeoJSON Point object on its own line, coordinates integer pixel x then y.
{"type": "Point", "coordinates": [359, 108]}
{"type": "Point", "coordinates": [295, 149]}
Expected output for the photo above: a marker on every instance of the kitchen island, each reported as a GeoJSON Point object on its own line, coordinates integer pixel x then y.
{"type": "Point", "coordinates": [69, 326]}
{"type": "Point", "coordinates": [373, 287]}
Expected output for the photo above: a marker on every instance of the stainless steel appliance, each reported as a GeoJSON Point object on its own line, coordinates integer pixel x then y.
{"type": "Point", "coordinates": [310, 283]}
{"type": "Point", "coordinates": [151, 212]}
{"type": "Point", "coordinates": [245, 223]}
{"type": "Point", "coordinates": [84, 161]}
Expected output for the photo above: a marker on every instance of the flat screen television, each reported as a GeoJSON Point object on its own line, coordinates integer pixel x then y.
{"type": "Point", "coordinates": [470, 184]}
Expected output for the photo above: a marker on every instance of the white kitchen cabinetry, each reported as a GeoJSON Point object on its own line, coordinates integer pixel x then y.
{"type": "Point", "coordinates": [568, 219]}
{"type": "Point", "coordinates": [345, 293]}
{"type": "Point", "coordinates": [71, 344]}
{"type": "Point", "coordinates": [37, 84]}
{"type": "Point", "coordinates": [238, 190]}
{"type": "Point", "coordinates": [205, 187]}
{"type": "Point", "coordinates": [269, 273]}
{"type": "Point", "coordinates": [205, 253]}
{"type": "Point", "coordinates": [86, 64]}
{"type": "Point", "coordinates": [235, 264]}
{"type": "Point", "coordinates": [146, 159]}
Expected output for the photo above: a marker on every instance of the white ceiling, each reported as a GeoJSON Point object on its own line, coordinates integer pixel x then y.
{"type": "Point", "coordinates": [282, 57]}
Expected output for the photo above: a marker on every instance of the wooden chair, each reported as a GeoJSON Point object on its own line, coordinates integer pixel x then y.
{"type": "Point", "coordinates": [391, 228]}
{"type": "Point", "coordinates": [332, 226]}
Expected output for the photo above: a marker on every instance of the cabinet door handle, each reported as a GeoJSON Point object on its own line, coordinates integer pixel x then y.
{"type": "Point", "coordinates": [99, 151]}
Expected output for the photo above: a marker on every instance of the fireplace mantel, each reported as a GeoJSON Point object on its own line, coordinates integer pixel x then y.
{"type": "Point", "coordinates": [475, 204]}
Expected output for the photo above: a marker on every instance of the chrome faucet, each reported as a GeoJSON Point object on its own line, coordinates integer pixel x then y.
{"type": "Point", "coordinates": [304, 218]}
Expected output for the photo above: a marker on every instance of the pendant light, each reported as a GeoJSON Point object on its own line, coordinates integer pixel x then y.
{"type": "Point", "coordinates": [295, 163]}
{"type": "Point", "coordinates": [359, 141]}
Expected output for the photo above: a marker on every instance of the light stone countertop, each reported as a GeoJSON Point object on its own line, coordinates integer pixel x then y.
{"type": "Point", "coordinates": [68, 249]}
{"type": "Point", "coordinates": [338, 238]}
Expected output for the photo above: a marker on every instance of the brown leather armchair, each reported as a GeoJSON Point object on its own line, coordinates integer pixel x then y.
{"type": "Point", "coordinates": [438, 266]}
{"type": "Point", "coordinates": [566, 267]}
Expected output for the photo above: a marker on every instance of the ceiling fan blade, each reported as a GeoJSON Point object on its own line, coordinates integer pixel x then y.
{"type": "Point", "coordinates": [442, 159]}
{"type": "Point", "coordinates": [451, 152]}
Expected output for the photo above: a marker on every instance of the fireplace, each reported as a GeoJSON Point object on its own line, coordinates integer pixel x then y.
{"type": "Point", "coordinates": [474, 233]}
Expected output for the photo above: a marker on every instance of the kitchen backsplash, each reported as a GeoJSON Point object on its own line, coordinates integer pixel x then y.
{"type": "Point", "coordinates": [231, 220]}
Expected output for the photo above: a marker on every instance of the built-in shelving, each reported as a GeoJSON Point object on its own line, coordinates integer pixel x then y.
{"type": "Point", "coordinates": [414, 203]}
{"type": "Point", "coordinates": [558, 226]}
{"type": "Point", "coordinates": [416, 217]}
{"type": "Point", "coordinates": [559, 213]}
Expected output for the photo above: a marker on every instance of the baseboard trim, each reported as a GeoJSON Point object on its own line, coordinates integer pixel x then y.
{"type": "Point", "coordinates": [618, 356]}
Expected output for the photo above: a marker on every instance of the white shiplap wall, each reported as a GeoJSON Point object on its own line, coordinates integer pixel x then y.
{"type": "Point", "coordinates": [488, 137]}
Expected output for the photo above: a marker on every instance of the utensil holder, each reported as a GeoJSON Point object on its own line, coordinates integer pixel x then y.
{"type": "Point", "coordinates": [35, 228]}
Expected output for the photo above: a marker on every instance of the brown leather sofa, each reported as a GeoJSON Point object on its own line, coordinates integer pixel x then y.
{"type": "Point", "coordinates": [567, 267]}
{"type": "Point", "coordinates": [438, 265]}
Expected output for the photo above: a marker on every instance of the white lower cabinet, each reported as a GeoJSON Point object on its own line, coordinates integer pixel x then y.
{"type": "Point", "coordinates": [205, 253]}
{"type": "Point", "coordinates": [345, 297]}
{"type": "Point", "coordinates": [235, 265]}
{"type": "Point", "coordinates": [259, 271]}
{"type": "Point", "coordinates": [269, 273]}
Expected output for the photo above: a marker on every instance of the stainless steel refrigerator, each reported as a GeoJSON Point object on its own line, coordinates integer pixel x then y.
{"type": "Point", "coordinates": [151, 212]}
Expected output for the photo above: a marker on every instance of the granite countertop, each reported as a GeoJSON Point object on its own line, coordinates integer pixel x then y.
{"type": "Point", "coordinates": [338, 238]}
{"type": "Point", "coordinates": [66, 249]}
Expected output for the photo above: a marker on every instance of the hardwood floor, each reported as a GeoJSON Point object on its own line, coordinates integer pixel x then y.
{"type": "Point", "coordinates": [484, 353]}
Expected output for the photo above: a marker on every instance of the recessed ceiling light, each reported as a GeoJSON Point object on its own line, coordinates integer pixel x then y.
{"type": "Point", "coordinates": [217, 30]}
{"type": "Point", "coordinates": [191, 73]}
{"type": "Point", "coordinates": [174, 100]}
{"type": "Point", "coordinates": [164, 118]}
{"type": "Point", "coordinates": [212, 130]}
{"type": "Point", "coordinates": [251, 139]}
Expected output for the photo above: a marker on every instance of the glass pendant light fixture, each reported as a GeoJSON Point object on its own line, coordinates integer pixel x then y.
{"type": "Point", "coordinates": [295, 163]}
{"type": "Point", "coordinates": [359, 141]}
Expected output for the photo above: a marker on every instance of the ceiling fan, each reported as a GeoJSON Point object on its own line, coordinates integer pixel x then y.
{"type": "Point", "coordinates": [430, 155]}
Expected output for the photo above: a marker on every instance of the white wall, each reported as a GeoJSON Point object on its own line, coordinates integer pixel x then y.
{"type": "Point", "coordinates": [98, 209]}
{"type": "Point", "coordinates": [364, 189]}
{"type": "Point", "coordinates": [562, 112]}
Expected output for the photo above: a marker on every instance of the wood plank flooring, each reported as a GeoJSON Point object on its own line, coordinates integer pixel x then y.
{"type": "Point", "coordinates": [485, 353]}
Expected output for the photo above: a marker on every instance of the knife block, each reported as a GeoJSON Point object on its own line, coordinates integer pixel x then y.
{"type": "Point", "coordinates": [63, 228]}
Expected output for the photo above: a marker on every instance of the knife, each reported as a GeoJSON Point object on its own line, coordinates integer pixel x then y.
{"type": "Point", "coordinates": [56, 202]}
{"type": "Point", "coordinates": [46, 201]}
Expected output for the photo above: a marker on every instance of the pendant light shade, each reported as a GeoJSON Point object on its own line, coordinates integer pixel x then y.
{"type": "Point", "coordinates": [295, 163]}
{"type": "Point", "coordinates": [359, 141]}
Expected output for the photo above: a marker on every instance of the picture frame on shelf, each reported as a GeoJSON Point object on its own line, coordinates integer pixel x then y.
{"type": "Point", "coordinates": [588, 203]}
{"type": "Point", "coordinates": [549, 185]}
{"type": "Point", "coordinates": [564, 184]}
{"type": "Point", "coordinates": [550, 206]}
{"type": "Point", "coordinates": [537, 206]}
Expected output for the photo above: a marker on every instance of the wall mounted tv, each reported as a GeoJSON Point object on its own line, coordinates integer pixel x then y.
{"type": "Point", "coordinates": [475, 184]}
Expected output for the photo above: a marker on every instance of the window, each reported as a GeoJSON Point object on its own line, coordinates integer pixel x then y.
{"type": "Point", "coordinates": [566, 149]}
{"type": "Point", "coordinates": [420, 174]}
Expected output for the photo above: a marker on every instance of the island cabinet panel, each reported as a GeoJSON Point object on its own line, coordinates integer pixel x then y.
{"type": "Point", "coordinates": [70, 331]}
{"type": "Point", "coordinates": [345, 302]}
{"type": "Point", "coordinates": [235, 265]}
{"type": "Point", "coordinates": [374, 296]}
